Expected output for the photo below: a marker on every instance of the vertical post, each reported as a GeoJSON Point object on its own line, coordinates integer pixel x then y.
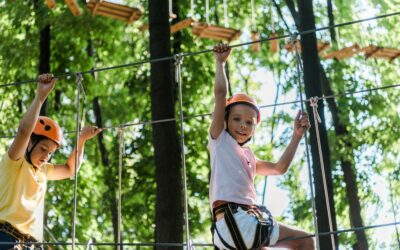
{"type": "Point", "coordinates": [77, 130]}
{"type": "Point", "coordinates": [178, 63]}
{"type": "Point", "coordinates": [121, 154]}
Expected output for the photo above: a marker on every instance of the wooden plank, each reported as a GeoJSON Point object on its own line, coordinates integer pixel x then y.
{"type": "Point", "coordinates": [114, 12]}
{"type": "Point", "coordinates": [222, 29]}
{"type": "Point", "coordinates": [95, 8]}
{"type": "Point", "coordinates": [321, 46]}
{"type": "Point", "coordinates": [51, 4]}
{"type": "Point", "coordinates": [255, 36]}
{"type": "Point", "coordinates": [73, 7]}
{"type": "Point", "coordinates": [136, 14]}
{"type": "Point", "coordinates": [107, 14]}
{"type": "Point", "coordinates": [181, 25]}
{"type": "Point", "coordinates": [214, 32]}
{"type": "Point", "coordinates": [116, 6]}
{"type": "Point", "coordinates": [274, 44]}
{"type": "Point", "coordinates": [216, 35]}
{"type": "Point", "coordinates": [343, 53]}
{"type": "Point", "coordinates": [370, 51]}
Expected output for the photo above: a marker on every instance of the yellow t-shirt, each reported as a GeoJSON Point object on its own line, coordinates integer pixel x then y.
{"type": "Point", "coordinates": [22, 190]}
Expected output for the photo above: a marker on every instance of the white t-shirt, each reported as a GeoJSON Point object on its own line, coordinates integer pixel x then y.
{"type": "Point", "coordinates": [233, 169]}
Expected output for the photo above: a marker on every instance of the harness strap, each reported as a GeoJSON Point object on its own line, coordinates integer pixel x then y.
{"type": "Point", "coordinates": [222, 239]}
{"type": "Point", "coordinates": [233, 228]}
{"type": "Point", "coordinates": [263, 228]}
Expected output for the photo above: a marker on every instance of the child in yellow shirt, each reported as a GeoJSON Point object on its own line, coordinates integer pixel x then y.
{"type": "Point", "coordinates": [25, 169]}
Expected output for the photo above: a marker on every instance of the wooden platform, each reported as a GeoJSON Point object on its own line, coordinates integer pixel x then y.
{"type": "Point", "coordinates": [73, 7]}
{"type": "Point", "coordinates": [344, 53]}
{"type": "Point", "coordinates": [321, 46]}
{"type": "Point", "coordinates": [373, 51]}
{"type": "Point", "coordinates": [182, 24]}
{"type": "Point", "coordinates": [113, 10]}
{"type": "Point", "coordinates": [205, 30]}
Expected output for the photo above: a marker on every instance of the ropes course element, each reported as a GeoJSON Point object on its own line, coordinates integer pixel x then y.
{"type": "Point", "coordinates": [178, 63]}
{"type": "Point", "coordinates": [209, 114]}
{"type": "Point", "coordinates": [393, 210]}
{"type": "Point", "coordinates": [77, 129]}
{"type": "Point", "coordinates": [255, 35]}
{"type": "Point", "coordinates": [187, 54]}
{"type": "Point", "coordinates": [222, 33]}
{"type": "Point", "coordinates": [178, 58]}
{"type": "Point", "coordinates": [198, 244]}
{"type": "Point", "coordinates": [317, 119]}
{"type": "Point", "coordinates": [120, 156]}
{"type": "Point", "coordinates": [114, 10]}
{"type": "Point", "coordinates": [299, 68]}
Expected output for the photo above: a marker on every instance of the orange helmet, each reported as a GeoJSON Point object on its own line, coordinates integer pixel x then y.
{"type": "Point", "coordinates": [48, 128]}
{"type": "Point", "coordinates": [244, 99]}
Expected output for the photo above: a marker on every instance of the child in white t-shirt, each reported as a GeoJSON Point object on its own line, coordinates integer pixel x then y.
{"type": "Point", "coordinates": [239, 223]}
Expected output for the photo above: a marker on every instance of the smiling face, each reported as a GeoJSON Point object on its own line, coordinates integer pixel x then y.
{"type": "Point", "coordinates": [42, 152]}
{"type": "Point", "coordinates": [242, 122]}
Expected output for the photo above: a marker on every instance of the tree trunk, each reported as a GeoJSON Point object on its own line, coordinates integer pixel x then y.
{"type": "Point", "coordinates": [345, 162]}
{"type": "Point", "coordinates": [109, 173]}
{"type": "Point", "coordinates": [44, 58]}
{"type": "Point", "coordinates": [169, 209]}
{"type": "Point", "coordinates": [312, 80]}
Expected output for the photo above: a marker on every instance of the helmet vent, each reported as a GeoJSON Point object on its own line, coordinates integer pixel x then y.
{"type": "Point", "coordinates": [41, 121]}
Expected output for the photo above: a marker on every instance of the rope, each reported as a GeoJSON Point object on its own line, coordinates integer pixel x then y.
{"type": "Point", "coordinates": [317, 119]}
{"type": "Point", "coordinates": [77, 129]}
{"type": "Point", "coordinates": [199, 244]}
{"type": "Point", "coordinates": [299, 68]}
{"type": "Point", "coordinates": [178, 63]}
{"type": "Point", "coordinates": [209, 50]}
{"type": "Point", "coordinates": [226, 20]}
{"type": "Point", "coordinates": [209, 114]}
{"type": "Point", "coordinates": [121, 154]}
{"type": "Point", "coordinates": [393, 210]}
{"type": "Point", "coordinates": [207, 12]}
{"type": "Point", "coordinates": [272, 137]}
{"type": "Point", "coordinates": [272, 18]}
{"type": "Point", "coordinates": [253, 21]}
{"type": "Point", "coordinates": [191, 8]}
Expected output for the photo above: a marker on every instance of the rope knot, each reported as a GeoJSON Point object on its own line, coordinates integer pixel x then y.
{"type": "Point", "coordinates": [178, 62]}
{"type": "Point", "coordinates": [314, 106]}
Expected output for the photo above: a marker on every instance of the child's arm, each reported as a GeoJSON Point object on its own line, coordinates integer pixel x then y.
{"type": "Point", "coordinates": [221, 53]}
{"type": "Point", "coordinates": [17, 149]}
{"type": "Point", "coordinates": [63, 171]}
{"type": "Point", "coordinates": [301, 124]}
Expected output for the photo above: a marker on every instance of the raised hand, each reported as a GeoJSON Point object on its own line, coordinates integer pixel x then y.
{"type": "Point", "coordinates": [301, 124]}
{"type": "Point", "coordinates": [89, 132]}
{"type": "Point", "coordinates": [45, 85]}
{"type": "Point", "coordinates": [222, 52]}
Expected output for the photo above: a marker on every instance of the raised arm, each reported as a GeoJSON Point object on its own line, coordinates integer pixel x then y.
{"type": "Point", "coordinates": [63, 171]}
{"type": "Point", "coordinates": [301, 124]}
{"type": "Point", "coordinates": [17, 149]}
{"type": "Point", "coordinates": [221, 53]}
